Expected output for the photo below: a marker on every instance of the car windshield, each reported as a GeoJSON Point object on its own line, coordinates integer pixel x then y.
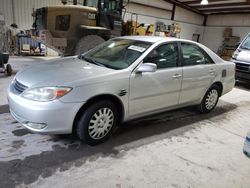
{"type": "Point", "coordinates": [246, 43]}
{"type": "Point", "coordinates": [116, 53]}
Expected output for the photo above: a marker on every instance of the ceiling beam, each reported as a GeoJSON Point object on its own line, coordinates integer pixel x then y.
{"type": "Point", "coordinates": [225, 13]}
{"type": "Point", "coordinates": [220, 5]}
{"type": "Point", "coordinates": [198, 1]}
{"type": "Point", "coordinates": [151, 6]}
{"type": "Point", "coordinates": [226, 9]}
{"type": "Point", "coordinates": [183, 5]}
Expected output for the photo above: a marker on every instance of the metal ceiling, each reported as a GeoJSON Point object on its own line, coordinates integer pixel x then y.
{"type": "Point", "coordinates": [215, 6]}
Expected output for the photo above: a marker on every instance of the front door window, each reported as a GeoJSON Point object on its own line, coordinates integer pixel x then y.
{"type": "Point", "coordinates": [165, 56]}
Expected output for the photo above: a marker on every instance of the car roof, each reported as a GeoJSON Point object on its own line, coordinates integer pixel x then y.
{"type": "Point", "coordinates": [152, 39]}
{"type": "Point", "coordinates": [160, 40]}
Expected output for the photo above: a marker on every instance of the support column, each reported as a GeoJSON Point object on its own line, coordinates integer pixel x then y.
{"type": "Point", "coordinates": [173, 12]}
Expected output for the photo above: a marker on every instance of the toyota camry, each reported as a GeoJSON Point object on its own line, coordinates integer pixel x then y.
{"type": "Point", "coordinates": [120, 80]}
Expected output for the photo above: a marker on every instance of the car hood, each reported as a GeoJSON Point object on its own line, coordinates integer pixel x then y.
{"type": "Point", "coordinates": [244, 55]}
{"type": "Point", "coordinates": [68, 71]}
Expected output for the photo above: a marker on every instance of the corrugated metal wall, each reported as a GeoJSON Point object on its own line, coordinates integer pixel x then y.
{"type": "Point", "coordinates": [23, 10]}
{"type": "Point", "coordinates": [6, 10]}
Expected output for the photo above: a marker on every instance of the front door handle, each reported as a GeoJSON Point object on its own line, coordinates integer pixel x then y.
{"type": "Point", "coordinates": [176, 76]}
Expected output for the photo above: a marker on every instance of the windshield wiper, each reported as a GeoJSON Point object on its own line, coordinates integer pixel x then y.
{"type": "Point", "coordinates": [92, 61]}
{"type": "Point", "coordinates": [96, 62]}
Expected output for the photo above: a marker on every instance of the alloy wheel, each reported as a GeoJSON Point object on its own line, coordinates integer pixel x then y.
{"type": "Point", "coordinates": [101, 123]}
{"type": "Point", "coordinates": [211, 99]}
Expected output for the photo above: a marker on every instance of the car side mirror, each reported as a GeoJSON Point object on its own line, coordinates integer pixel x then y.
{"type": "Point", "coordinates": [147, 67]}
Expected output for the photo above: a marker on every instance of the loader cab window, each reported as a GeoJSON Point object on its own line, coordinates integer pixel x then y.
{"type": "Point", "coordinates": [111, 6]}
{"type": "Point", "coordinates": [91, 3]}
{"type": "Point", "coordinates": [62, 22]}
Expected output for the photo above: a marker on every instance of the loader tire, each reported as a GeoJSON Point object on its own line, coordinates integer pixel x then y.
{"type": "Point", "coordinates": [88, 42]}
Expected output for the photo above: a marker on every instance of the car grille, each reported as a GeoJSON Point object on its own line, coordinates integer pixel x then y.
{"type": "Point", "coordinates": [18, 86]}
{"type": "Point", "coordinates": [242, 67]}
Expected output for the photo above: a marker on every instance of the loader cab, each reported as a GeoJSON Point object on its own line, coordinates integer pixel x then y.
{"type": "Point", "coordinates": [63, 26]}
{"type": "Point", "coordinates": [109, 14]}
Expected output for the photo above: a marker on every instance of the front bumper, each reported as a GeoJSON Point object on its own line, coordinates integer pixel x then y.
{"type": "Point", "coordinates": [246, 148]}
{"type": "Point", "coordinates": [243, 76]}
{"type": "Point", "coordinates": [242, 70]}
{"type": "Point", "coordinates": [54, 117]}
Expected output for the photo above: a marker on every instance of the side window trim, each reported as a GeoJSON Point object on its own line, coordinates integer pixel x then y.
{"type": "Point", "coordinates": [180, 55]}
{"type": "Point", "coordinates": [202, 51]}
{"type": "Point", "coordinates": [178, 63]}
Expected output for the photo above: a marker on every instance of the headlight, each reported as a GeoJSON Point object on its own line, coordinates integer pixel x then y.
{"type": "Point", "coordinates": [44, 94]}
{"type": "Point", "coordinates": [235, 54]}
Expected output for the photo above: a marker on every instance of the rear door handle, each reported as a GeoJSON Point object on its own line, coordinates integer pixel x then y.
{"type": "Point", "coordinates": [212, 71]}
{"type": "Point", "coordinates": [176, 76]}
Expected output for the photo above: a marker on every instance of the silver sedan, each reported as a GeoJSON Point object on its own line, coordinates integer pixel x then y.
{"type": "Point", "coordinates": [119, 80]}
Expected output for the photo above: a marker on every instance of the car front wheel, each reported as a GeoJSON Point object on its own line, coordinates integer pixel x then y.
{"type": "Point", "coordinates": [210, 99]}
{"type": "Point", "coordinates": [97, 122]}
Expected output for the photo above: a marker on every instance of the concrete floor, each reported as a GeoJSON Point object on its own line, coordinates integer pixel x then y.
{"type": "Point", "coordinates": [175, 149]}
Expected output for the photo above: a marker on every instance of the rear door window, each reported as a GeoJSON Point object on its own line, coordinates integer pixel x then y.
{"type": "Point", "coordinates": [194, 55]}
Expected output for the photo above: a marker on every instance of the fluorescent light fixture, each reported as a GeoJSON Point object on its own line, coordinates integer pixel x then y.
{"type": "Point", "coordinates": [204, 2]}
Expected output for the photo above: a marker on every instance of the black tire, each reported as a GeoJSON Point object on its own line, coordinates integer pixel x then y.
{"type": "Point", "coordinates": [208, 104]}
{"type": "Point", "coordinates": [84, 126]}
{"type": "Point", "coordinates": [88, 42]}
{"type": "Point", "coordinates": [8, 70]}
{"type": "Point", "coordinates": [5, 58]}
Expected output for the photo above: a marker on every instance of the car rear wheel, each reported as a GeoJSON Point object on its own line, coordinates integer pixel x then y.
{"type": "Point", "coordinates": [9, 70]}
{"type": "Point", "coordinates": [97, 122]}
{"type": "Point", "coordinates": [210, 99]}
